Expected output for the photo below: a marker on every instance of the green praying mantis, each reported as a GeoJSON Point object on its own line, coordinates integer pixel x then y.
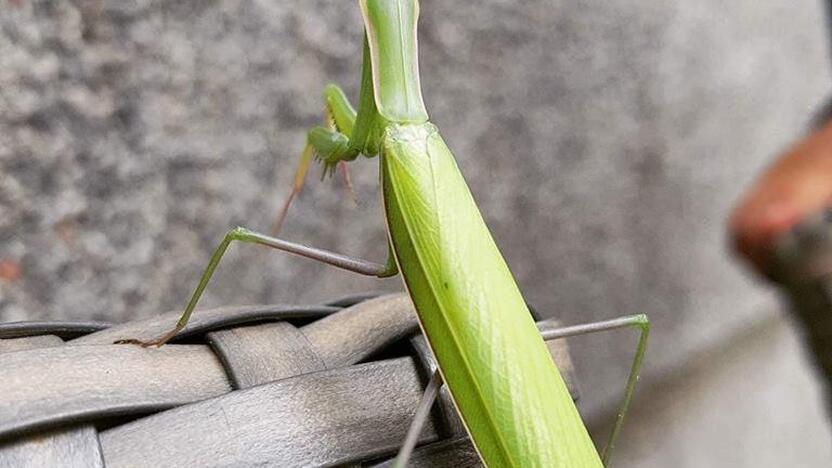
{"type": "Point", "coordinates": [507, 390]}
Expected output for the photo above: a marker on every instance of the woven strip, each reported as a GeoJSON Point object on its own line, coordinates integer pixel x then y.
{"type": "Point", "coordinates": [334, 384]}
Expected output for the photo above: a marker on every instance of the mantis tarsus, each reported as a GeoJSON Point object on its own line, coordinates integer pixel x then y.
{"type": "Point", "coordinates": [508, 392]}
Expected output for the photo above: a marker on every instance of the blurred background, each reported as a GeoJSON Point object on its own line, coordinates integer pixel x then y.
{"type": "Point", "coordinates": [605, 143]}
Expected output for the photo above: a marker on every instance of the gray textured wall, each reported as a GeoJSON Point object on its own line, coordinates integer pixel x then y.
{"type": "Point", "coordinates": [604, 141]}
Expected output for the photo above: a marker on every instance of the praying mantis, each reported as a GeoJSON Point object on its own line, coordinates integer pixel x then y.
{"type": "Point", "coordinates": [509, 394]}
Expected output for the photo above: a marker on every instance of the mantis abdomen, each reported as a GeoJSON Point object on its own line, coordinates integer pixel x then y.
{"type": "Point", "coordinates": [511, 396]}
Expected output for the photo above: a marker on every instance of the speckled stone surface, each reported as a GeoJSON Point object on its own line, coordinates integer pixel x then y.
{"type": "Point", "coordinates": [604, 141]}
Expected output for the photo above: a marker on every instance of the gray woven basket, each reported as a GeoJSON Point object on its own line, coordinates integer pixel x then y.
{"type": "Point", "coordinates": [326, 385]}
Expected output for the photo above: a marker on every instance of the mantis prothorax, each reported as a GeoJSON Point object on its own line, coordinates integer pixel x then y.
{"type": "Point", "coordinates": [508, 392]}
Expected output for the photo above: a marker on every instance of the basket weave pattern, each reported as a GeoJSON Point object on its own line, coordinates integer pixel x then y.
{"type": "Point", "coordinates": [324, 385]}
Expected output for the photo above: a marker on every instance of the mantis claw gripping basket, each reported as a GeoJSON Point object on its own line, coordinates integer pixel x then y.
{"type": "Point", "coordinates": [325, 385]}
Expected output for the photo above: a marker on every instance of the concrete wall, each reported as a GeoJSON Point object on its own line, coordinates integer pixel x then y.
{"type": "Point", "coordinates": [604, 141]}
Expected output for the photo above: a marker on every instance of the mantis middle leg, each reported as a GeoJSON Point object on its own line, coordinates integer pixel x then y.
{"type": "Point", "coordinates": [640, 322]}
{"type": "Point", "coordinates": [364, 267]}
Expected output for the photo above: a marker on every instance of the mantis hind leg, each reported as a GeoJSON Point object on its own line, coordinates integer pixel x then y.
{"type": "Point", "coordinates": [419, 419]}
{"type": "Point", "coordinates": [640, 322]}
{"type": "Point", "coordinates": [240, 234]}
{"type": "Point", "coordinates": [329, 143]}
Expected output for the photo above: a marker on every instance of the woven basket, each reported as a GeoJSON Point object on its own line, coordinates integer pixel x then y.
{"type": "Point", "coordinates": [326, 385]}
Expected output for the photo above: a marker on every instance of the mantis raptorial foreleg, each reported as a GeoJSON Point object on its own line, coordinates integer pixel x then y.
{"type": "Point", "coordinates": [356, 265]}
{"type": "Point", "coordinates": [297, 185]}
{"type": "Point", "coordinates": [330, 144]}
{"type": "Point", "coordinates": [632, 321]}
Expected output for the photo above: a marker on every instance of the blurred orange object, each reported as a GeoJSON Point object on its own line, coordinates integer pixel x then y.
{"type": "Point", "coordinates": [796, 186]}
{"type": "Point", "coordinates": [9, 270]}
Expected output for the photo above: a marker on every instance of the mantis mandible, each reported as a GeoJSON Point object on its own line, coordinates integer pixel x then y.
{"type": "Point", "coordinates": [508, 392]}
